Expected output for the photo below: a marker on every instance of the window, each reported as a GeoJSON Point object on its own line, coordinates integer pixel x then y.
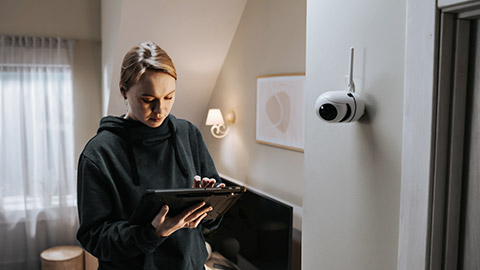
{"type": "Point", "coordinates": [37, 179]}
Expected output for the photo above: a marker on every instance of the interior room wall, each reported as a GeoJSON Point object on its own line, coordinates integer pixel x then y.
{"type": "Point", "coordinates": [196, 35]}
{"type": "Point", "coordinates": [87, 97]}
{"type": "Point", "coordinates": [270, 39]}
{"type": "Point", "coordinates": [353, 171]}
{"type": "Point", "coordinates": [79, 20]}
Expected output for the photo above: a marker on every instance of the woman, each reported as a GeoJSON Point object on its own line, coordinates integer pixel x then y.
{"type": "Point", "coordinates": [148, 148]}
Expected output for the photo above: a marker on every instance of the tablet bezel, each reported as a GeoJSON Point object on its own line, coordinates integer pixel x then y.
{"type": "Point", "coordinates": [152, 200]}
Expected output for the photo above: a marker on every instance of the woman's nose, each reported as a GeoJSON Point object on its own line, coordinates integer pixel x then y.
{"type": "Point", "coordinates": [157, 107]}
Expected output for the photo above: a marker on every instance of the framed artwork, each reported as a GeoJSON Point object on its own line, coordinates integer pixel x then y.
{"type": "Point", "coordinates": [280, 111]}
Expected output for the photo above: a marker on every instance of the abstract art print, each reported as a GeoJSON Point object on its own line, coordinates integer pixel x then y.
{"type": "Point", "coordinates": [280, 111]}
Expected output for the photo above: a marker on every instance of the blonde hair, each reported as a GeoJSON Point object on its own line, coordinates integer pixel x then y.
{"type": "Point", "coordinates": [145, 56]}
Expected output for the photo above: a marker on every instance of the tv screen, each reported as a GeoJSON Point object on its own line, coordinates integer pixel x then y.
{"type": "Point", "coordinates": [256, 233]}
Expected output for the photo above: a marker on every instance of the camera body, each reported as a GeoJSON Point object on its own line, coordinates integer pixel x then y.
{"type": "Point", "coordinates": [339, 107]}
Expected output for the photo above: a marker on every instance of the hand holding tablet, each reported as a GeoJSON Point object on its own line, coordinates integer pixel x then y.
{"type": "Point", "coordinates": [178, 200]}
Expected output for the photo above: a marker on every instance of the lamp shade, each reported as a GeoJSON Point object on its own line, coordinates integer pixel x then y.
{"type": "Point", "coordinates": [214, 117]}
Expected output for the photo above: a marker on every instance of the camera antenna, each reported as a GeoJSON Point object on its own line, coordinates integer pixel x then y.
{"type": "Point", "coordinates": [351, 84]}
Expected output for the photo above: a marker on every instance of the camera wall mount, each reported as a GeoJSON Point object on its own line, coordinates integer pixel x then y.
{"type": "Point", "coordinates": [341, 106]}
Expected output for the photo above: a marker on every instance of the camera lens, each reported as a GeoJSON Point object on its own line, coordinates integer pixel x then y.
{"type": "Point", "coordinates": [328, 111]}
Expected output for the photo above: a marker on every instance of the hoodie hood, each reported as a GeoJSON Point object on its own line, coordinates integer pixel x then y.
{"type": "Point", "coordinates": [137, 132]}
{"type": "Point", "coordinates": [114, 124]}
{"type": "Point", "coordinates": [140, 136]}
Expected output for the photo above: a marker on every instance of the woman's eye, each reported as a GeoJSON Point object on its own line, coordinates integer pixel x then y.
{"type": "Point", "coordinates": [147, 100]}
{"type": "Point", "coordinates": [169, 97]}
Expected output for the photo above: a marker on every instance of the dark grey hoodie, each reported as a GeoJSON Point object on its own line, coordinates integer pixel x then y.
{"type": "Point", "coordinates": [117, 165]}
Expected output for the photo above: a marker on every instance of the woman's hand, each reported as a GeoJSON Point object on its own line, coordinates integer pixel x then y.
{"type": "Point", "coordinates": [190, 218]}
{"type": "Point", "coordinates": [198, 182]}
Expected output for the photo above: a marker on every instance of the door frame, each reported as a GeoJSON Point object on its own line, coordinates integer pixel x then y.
{"type": "Point", "coordinates": [430, 196]}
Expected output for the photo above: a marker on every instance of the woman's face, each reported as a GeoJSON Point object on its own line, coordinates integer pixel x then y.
{"type": "Point", "coordinates": [151, 99]}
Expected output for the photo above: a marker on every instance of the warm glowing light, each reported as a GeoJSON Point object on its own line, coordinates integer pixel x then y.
{"type": "Point", "coordinates": [215, 119]}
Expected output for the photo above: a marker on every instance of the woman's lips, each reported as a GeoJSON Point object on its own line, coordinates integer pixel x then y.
{"type": "Point", "coordinates": [155, 119]}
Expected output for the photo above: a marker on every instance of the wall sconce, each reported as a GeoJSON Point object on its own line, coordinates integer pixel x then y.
{"type": "Point", "coordinates": [215, 119]}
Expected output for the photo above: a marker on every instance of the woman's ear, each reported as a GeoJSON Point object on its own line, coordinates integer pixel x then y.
{"type": "Point", "coordinates": [123, 92]}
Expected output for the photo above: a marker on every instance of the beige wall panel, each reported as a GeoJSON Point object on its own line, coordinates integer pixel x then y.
{"type": "Point", "coordinates": [270, 39]}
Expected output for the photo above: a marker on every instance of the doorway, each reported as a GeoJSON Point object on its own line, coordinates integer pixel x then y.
{"type": "Point", "coordinates": [454, 228]}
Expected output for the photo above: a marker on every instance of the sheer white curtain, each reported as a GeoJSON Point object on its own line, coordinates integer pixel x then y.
{"type": "Point", "coordinates": [37, 178]}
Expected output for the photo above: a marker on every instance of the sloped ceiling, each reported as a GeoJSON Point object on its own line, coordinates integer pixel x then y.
{"type": "Point", "coordinates": [196, 34]}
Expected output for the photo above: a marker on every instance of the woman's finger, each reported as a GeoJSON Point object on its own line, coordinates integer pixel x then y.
{"type": "Point", "coordinates": [197, 181]}
{"type": "Point", "coordinates": [187, 212]}
{"type": "Point", "coordinates": [212, 182]}
{"type": "Point", "coordinates": [160, 217]}
{"type": "Point", "coordinates": [197, 221]}
{"type": "Point", "coordinates": [208, 182]}
{"type": "Point", "coordinates": [204, 182]}
{"type": "Point", "coordinates": [195, 215]}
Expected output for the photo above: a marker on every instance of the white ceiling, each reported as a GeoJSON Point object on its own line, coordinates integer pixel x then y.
{"type": "Point", "coordinates": [196, 34]}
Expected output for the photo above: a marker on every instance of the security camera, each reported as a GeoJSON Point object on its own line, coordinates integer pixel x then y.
{"type": "Point", "coordinates": [339, 107]}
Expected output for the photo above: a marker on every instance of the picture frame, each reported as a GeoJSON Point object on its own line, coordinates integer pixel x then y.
{"type": "Point", "coordinates": [280, 111]}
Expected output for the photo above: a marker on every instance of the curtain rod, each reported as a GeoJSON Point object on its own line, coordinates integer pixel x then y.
{"type": "Point", "coordinates": [34, 65]}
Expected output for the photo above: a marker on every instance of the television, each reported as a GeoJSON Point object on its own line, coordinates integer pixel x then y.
{"type": "Point", "coordinates": [255, 234]}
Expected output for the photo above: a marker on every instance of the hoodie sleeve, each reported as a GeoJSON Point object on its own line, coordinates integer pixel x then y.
{"type": "Point", "coordinates": [98, 233]}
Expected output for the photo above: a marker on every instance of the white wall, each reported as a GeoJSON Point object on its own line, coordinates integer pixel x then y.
{"type": "Point", "coordinates": [79, 20]}
{"type": "Point", "coordinates": [111, 11]}
{"type": "Point", "coordinates": [270, 39]}
{"type": "Point", "coordinates": [353, 171]}
{"type": "Point", "coordinates": [87, 97]}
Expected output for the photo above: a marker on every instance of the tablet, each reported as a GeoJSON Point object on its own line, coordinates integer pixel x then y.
{"type": "Point", "coordinates": [221, 199]}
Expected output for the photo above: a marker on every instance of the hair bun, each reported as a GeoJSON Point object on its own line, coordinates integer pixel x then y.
{"type": "Point", "coordinates": [147, 54]}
